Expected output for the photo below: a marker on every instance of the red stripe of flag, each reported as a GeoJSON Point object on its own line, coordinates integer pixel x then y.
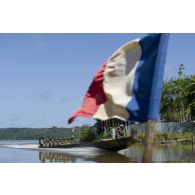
{"type": "Point", "coordinates": [94, 97]}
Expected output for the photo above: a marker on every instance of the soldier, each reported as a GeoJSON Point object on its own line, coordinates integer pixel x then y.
{"type": "Point", "coordinates": [121, 132]}
{"type": "Point", "coordinates": [118, 133]}
{"type": "Point", "coordinates": [51, 143]}
{"type": "Point", "coordinates": [60, 142]}
{"type": "Point", "coordinates": [46, 142]}
{"type": "Point", "coordinates": [166, 136]}
{"type": "Point", "coordinates": [42, 141]}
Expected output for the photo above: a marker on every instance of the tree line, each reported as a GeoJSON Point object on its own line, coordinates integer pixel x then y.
{"type": "Point", "coordinates": [33, 133]}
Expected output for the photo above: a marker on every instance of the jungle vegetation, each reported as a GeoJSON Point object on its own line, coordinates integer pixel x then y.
{"type": "Point", "coordinates": [178, 98]}
{"type": "Point", "coordinates": [33, 133]}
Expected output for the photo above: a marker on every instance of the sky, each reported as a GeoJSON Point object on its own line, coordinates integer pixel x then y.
{"type": "Point", "coordinates": [44, 77]}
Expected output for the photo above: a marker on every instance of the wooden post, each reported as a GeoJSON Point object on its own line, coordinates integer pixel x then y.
{"type": "Point", "coordinates": [148, 141]}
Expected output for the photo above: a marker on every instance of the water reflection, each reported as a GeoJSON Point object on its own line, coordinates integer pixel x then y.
{"type": "Point", "coordinates": [175, 153]}
{"type": "Point", "coordinates": [49, 157]}
{"type": "Point", "coordinates": [103, 157]}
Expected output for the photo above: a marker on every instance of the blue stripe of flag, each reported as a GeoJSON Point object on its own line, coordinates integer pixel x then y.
{"type": "Point", "coordinates": [147, 86]}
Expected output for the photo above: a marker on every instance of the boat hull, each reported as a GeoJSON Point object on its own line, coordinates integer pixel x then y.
{"type": "Point", "coordinates": [112, 145]}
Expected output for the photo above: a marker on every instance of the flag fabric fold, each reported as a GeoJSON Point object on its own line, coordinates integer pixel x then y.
{"type": "Point", "coordinates": [128, 86]}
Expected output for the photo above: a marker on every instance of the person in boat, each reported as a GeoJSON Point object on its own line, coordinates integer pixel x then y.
{"type": "Point", "coordinates": [122, 131]}
{"type": "Point", "coordinates": [42, 141]}
{"type": "Point", "coordinates": [166, 136]}
{"type": "Point", "coordinates": [72, 138]}
{"type": "Point", "coordinates": [55, 142]}
{"type": "Point", "coordinates": [117, 136]}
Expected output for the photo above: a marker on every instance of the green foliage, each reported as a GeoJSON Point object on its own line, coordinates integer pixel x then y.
{"type": "Point", "coordinates": [160, 136]}
{"type": "Point", "coordinates": [86, 133]}
{"type": "Point", "coordinates": [98, 127]}
{"type": "Point", "coordinates": [141, 136]}
{"type": "Point", "coordinates": [178, 98]}
{"type": "Point", "coordinates": [33, 133]}
{"type": "Point", "coordinates": [187, 135]}
{"type": "Point", "coordinates": [191, 96]}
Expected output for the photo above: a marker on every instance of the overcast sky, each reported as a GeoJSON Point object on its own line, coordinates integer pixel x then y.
{"type": "Point", "coordinates": [44, 77]}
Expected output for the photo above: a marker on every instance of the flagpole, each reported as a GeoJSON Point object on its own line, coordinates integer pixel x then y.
{"type": "Point", "coordinates": [149, 141]}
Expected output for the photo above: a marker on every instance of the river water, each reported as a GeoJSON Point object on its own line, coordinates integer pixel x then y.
{"type": "Point", "coordinates": [27, 151]}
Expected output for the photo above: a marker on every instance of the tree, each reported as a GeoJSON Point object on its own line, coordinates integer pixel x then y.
{"type": "Point", "coordinates": [191, 97]}
{"type": "Point", "coordinates": [86, 133]}
{"type": "Point", "coordinates": [177, 101]}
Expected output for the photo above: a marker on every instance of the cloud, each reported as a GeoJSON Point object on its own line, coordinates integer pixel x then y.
{"type": "Point", "coordinates": [45, 95]}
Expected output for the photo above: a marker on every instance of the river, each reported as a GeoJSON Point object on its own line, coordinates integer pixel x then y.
{"type": "Point", "coordinates": [27, 151]}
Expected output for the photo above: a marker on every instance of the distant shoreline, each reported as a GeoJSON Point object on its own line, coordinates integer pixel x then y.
{"type": "Point", "coordinates": [33, 133]}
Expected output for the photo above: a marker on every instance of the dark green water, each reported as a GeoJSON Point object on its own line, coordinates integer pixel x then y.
{"type": "Point", "coordinates": [27, 152]}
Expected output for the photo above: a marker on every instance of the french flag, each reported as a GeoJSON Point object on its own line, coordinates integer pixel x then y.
{"type": "Point", "coordinates": [128, 86]}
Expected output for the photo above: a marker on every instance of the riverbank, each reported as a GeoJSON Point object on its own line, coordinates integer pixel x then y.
{"type": "Point", "coordinates": [171, 138]}
{"type": "Point", "coordinates": [184, 141]}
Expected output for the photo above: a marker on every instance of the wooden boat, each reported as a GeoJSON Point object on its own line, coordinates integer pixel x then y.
{"type": "Point", "coordinates": [114, 144]}
{"type": "Point", "coordinates": [106, 144]}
